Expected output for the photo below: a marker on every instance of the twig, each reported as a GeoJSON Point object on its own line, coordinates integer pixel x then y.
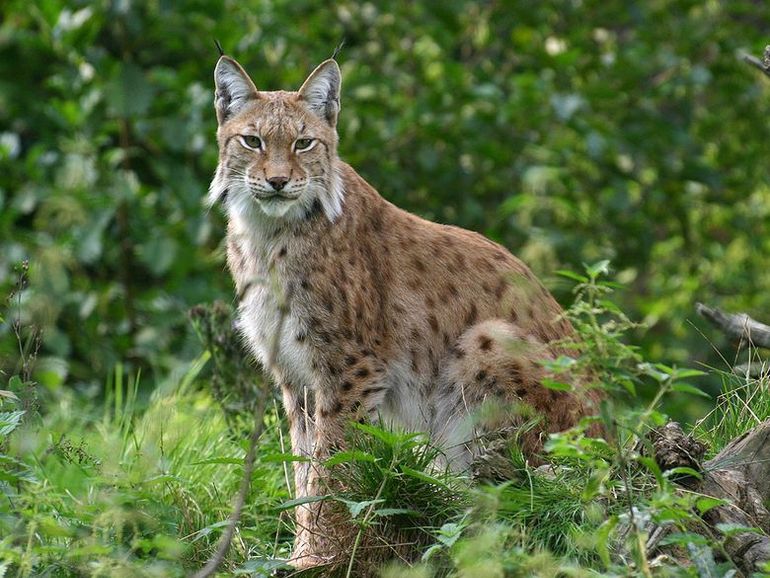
{"type": "Point", "coordinates": [259, 410]}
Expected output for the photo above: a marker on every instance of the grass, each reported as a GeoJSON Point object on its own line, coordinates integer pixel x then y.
{"type": "Point", "coordinates": [742, 405]}
{"type": "Point", "coordinates": [142, 485]}
{"type": "Point", "coordinates": [136, 493]}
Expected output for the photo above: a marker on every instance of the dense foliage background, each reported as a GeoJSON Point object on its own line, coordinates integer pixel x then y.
{"type": "Point", "coordinates": [569, 131]}
{"type": "Point", "coordinates": [572, 131]}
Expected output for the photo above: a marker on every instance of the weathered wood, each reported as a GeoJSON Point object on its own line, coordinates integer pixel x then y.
{"type": "Point", "coordinates": [739, 475]}
{"type": "Point", "coordinates": [762, 65]}
{"type": "Point", "coordinates": [736, 325]}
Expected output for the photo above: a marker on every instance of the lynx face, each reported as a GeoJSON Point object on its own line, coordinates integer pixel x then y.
{"type": "Point", "coordinates": [276, 149]}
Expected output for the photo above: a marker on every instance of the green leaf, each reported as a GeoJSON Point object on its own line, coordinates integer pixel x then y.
{"type": "Point", "coordinates": [355, 508]}
{"type": "Point", "coordinates": [706, 503]}
{"type": "Point", "coordinates": [684, 373]}
{"type": "Point", "coordinates": [10, 420]}
{"type": "Point", "coordinates": [572, 275]}
{"type": "Point", "coordinates": [594, 484]}
{"type": "Point", "coordinates": [687, 388]}
{"type": "Point", "coordinates": [653, 466]}
{"type": "Point", "coordinates": [349, 456]}
{"type": "Point", "coordinates": [603, 539]}
{"type": "Point", "coordinates": [390, 438]}
{"type": "Point", "coordinates": [730, 529]}
{"type": "Point", "coordinates": [555, 385]}
{"type": "Point", "coordinates": [289, 504]}
{"type": "Point", "coordinates": [684, 471]}
{"type": "Point", "coordinates": [422, 476]}
{"type": "Point", "coordinates": [261, 567]}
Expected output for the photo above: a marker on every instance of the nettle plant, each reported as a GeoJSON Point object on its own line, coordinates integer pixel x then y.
{"type": "Point", "coordinates": [617, 473]}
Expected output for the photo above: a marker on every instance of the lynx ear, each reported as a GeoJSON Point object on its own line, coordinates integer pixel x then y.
{"type": "Point", "coordinates": [321, 91]}
{"type": "Point", "coordinates": [234, 88]}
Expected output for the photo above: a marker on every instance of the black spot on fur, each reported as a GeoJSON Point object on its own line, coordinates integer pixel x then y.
{"type": "Point", "coordinates": [472, 315]}
{"type": "Point", "coordinates": [485, 343]}
{"type": "Point", "coordinates": [373, 390]}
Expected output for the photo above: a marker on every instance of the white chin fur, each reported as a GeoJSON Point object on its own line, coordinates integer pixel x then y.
{"type": "Point", "coordinates": [276, 207]}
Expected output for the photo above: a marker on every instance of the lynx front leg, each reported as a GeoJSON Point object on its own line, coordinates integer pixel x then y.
{"type": "Point", "coordinates": [297, 403]}
{"type": "Point", "coordinates": [324, 531]}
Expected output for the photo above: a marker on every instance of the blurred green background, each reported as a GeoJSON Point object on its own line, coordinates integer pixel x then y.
{"type": "Point", "coordinates": [570, 131]}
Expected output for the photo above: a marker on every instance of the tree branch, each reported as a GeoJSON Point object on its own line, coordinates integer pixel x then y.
{"type": "Point", "coordinates": [736, 325]}
{"type": "Point", "coordinates": [763, 65]}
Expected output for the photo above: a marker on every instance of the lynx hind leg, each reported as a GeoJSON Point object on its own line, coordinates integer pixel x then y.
{"type": "Point", "coordinates": [492, 385]}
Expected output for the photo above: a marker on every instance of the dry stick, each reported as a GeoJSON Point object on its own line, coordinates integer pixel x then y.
{"type": "Point", "coordinates": [736, 325]}
{"type": "Point", "coordinates": [248, 466]}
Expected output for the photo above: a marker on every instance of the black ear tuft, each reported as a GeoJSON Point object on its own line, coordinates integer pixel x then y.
{"type": "Point", "coordinates": [338, 49]}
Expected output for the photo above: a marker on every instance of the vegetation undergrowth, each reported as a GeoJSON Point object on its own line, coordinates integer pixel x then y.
{"type": "Point", "coordinates": [133, 485]}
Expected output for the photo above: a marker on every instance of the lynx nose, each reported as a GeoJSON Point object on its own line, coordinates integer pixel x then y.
{"type": "Point", "coordinates": [278, 183]}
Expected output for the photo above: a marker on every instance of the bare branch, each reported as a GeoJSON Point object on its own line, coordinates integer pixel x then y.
{"type": "Point", "coordinates": [259, 421]}
{"type": "Point", "coordinates": [736, 325]}
{"type": "Point", "coordinates": [763, 65]}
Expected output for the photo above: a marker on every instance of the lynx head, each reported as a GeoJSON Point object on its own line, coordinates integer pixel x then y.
{"type": "Point", "coordinates": [277, 150]}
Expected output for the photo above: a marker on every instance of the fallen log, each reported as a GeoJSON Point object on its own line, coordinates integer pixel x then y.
{"type": "Point", "coordinates": [739, 475]}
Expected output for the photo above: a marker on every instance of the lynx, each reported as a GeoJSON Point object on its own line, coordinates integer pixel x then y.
{"type": "Point", "coordinates": [361, 310]}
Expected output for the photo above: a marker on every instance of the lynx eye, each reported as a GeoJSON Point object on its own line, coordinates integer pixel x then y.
{"type": "Point", "coordinates": [251, 141]}
{"type": "Point", "coordinates": [303, 144]}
